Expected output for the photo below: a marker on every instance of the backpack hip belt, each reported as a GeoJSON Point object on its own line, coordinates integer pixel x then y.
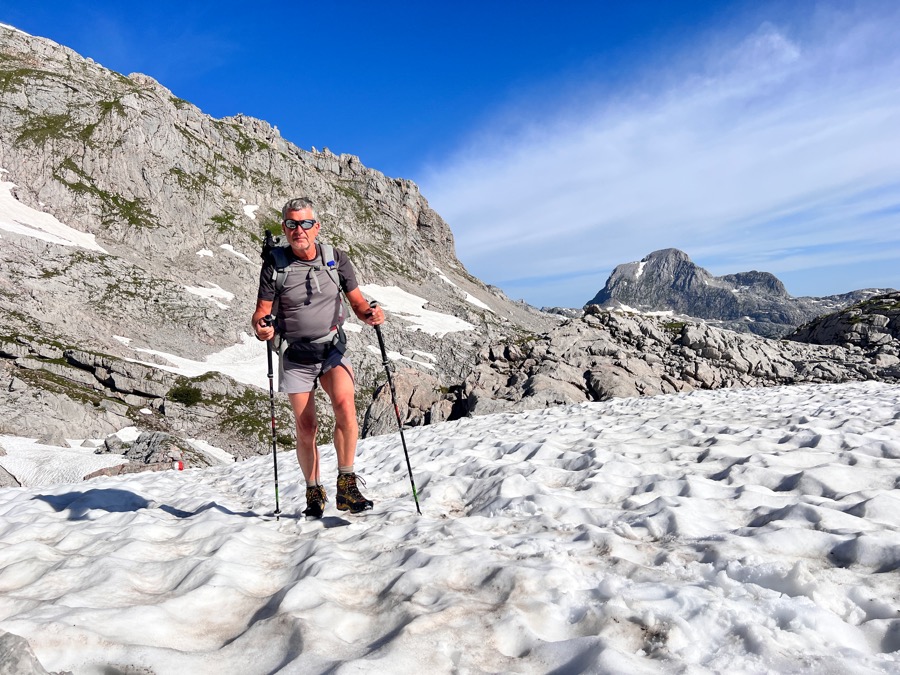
{"type": "Point", "coordinates": [309, 351]}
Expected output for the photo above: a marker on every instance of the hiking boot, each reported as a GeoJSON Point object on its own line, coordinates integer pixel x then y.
{"type": "Point", "coordinates": [348, 495]}
{"type": "Point", "coordinates": [315, 501]}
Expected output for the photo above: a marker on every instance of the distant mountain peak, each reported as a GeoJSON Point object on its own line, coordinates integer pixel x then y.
{"type": "Point", "coordinates": [757, 302]}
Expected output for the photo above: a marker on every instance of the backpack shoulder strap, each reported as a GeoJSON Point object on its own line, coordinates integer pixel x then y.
{"type": "Point", "coordinates": [282, 267]}
{"type": "Point", "coordinates": [327, 251]}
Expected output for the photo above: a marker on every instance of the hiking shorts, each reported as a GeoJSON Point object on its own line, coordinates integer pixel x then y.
{"type": "Point", "coordinates": [297, 378]}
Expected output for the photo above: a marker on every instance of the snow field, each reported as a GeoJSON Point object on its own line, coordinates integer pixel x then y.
{"type": "Point", "coordinates": [730, 531]}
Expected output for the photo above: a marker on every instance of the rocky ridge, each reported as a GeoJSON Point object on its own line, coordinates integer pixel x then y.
{"type": "Point", "coordinates": [755, 302]}
{"type": "Point", "coordinates": [606, 354]}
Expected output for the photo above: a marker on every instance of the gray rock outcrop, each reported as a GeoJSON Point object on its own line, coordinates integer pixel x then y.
{"type": "Point", "coordinates": [17, 657]}
{"type": "Point", "coordinates": [871, 326]}
{"type": "Point", "coordinates": [421, 400]}
{"type": "Point", "coordinates": [73, 393]}
{"type": "Point", "coordinates": [615, 354]}
{"type": "Point", "coordinates": [7, 479]}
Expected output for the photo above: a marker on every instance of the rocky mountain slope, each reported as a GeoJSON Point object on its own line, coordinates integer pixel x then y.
{"type": "Point", "coordinates": [757, 302]}
{"type": "Point", "coordinates": [167, 207]}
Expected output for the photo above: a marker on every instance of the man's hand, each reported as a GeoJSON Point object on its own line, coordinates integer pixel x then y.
{"type": "Point", "coordinates": [367, 312]}
{"type": "Point", "coordinates": [264, 328]}
{"type": "Point", "coordinates": [374, 316]}
{"type": "Point", "coordinates": [263, 323]}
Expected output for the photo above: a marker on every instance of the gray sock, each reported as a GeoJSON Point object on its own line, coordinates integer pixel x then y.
{"type": "Point", "coordinates": [345, 469]}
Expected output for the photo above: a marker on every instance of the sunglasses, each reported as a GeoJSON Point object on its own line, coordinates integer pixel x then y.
{"type": "Point", "coordinates": [302, 224]}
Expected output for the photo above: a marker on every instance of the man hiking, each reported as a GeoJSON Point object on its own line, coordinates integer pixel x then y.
{"type": "Point", "coordinates": [305, 292]}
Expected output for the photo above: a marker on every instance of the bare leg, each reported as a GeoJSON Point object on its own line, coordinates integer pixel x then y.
{"type": "Point", "coordinates": [338, 384]}
{"type": "Point", "coordinates": [304, 406]}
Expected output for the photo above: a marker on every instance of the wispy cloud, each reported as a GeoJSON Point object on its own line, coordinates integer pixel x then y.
{"type": "Point", "coordinates": [779, 149]}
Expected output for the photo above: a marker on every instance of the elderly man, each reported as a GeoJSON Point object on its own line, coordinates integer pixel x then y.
{"type": "Point", "coordinates": [308, 314]}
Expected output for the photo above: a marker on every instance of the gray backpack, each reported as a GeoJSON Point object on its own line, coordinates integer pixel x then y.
{"type": "Point", "coordinates": [304, 351]}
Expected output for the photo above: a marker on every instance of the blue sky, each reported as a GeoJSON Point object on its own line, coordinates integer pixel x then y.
{"type": "Point", "coordinates": [561, 141]}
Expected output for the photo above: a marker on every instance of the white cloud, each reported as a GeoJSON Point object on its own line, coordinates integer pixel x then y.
{"type": "Point", "coordinates": [786, 140]}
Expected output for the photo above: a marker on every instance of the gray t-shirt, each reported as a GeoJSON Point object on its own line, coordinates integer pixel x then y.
{"type": "Point", "coordinates": [310, 304]}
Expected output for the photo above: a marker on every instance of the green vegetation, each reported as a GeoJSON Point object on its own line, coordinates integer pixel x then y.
{"type": "Point", "coordinates": [185, 394]}
{"type": "Point", "coordinates": [224, 222]}
{"type": "Point", "coordinates": [114, 207]}
{"type": "Point", "coordinates": [324, 433]}
{"type": "Point", "coordinates": [363, 212]}
{"type": "Point", "coordinates": [524, 338]}
{"type": "Point", "coordinates": [86, 133]}
{"type": "Point", "coordinates": [192, 182]}
{"type": "Point", "coordinates": [188, 136]}
{"type": "Point", "coordinates": [270, 222]}
{"type": "Point", "coordinates": [383, 258]}
{"type": "Point", "coordinates": [674, 326]}
{"type": "Point", "coordinates": [106, 107]}
{"type": "Point", "coordinates": [77, 257]}
{"type": "Point", "coordinates": [59, 384]}
{"type": "Point", "coordinates": [879, 304]}
{"type": "Point", "coordinates": [13, 76]}
{"type": "Point", "coordinates": [40, 128]}
{"type": "Point", "coordinates": [238, 172]}
{"type": "Point", "coordinates": [157, 298]}
{"type": "Point", "coordinates": [180, 103]}
{"type": "Point", "coordinates": [380, 251]}
{"type": "Point", "coordinates": [245, 144]}
{"type": "Point", "coordinates": [248, 414]}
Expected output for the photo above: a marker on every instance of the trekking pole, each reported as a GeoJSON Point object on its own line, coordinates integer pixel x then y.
{"type": "Point", "coordinates": [268, 321]}
{"type": "Point", "coordinates": [390, 380]}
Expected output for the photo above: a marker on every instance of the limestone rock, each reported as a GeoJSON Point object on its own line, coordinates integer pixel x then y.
{"type": "Point", "coordinates": [7, 479]}
{"type": "Point", "coordinates": [873, 326]}
{"type": "Point", "coordinates": [606, 354]}
{"type": "Point", "coordinates": [419, 399]}
{"type": "Point", "coordinates": [17, 657]}
{"type": "Point", "coordinates": [54, 439]}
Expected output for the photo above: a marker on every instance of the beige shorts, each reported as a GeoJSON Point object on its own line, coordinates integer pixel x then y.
{"type": "Point", "coordinates": [296, 378]}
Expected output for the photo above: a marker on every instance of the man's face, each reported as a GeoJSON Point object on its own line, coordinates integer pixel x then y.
{"type": "Point", "coordinates": [302, 241]}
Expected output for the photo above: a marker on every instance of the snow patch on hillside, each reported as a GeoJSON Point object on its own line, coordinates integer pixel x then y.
{"type": "Point", "coordinates": [18, 218]}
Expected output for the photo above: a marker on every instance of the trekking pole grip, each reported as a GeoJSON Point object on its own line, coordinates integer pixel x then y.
{"type": "Point", "coordinates": [384, 358]}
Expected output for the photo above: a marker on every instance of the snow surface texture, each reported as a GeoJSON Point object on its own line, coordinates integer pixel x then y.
{"type": "Point", "coordinates": [732, 531]}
